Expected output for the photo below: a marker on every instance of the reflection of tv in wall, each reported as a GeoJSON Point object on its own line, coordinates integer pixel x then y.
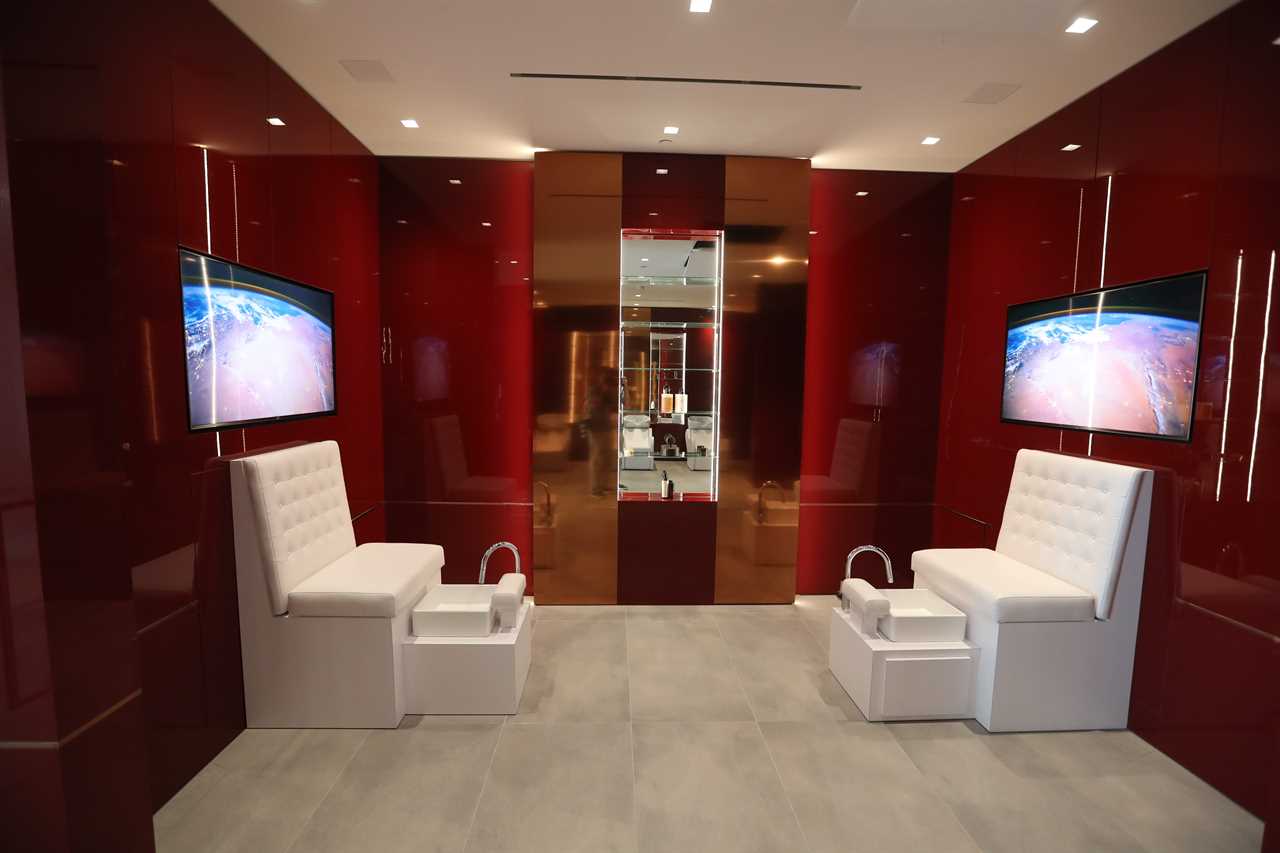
{"type": "Point", "coordinates": [1120, 360]}
{"type": "Point", "coordinates": [259, 347]}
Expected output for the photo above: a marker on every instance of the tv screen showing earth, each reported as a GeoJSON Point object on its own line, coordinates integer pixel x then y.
{"type": "Point", "coordinates": [1120, 369]}
{"type": "Point", "coordinates": [252, 354]}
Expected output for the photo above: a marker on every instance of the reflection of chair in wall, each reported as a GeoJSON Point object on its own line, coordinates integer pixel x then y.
{"type": "Point", "coordinates": [855, 460]}
{"type": "Point", "coordinates": [551, 439]}
{"type": "Point", "coordinates": [451, 454]}
{"type": "Point", "coordinates": [1054, 608]}
{"type": "Point", "coordinates": [699, 434]}
{"type": "Point", "coordinates": [321, 620]}
{"type": "Point", "coordinates": [637, 443]}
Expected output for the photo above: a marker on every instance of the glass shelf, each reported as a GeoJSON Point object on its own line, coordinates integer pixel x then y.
{"type": "Point", "coordinates": [670, 281]}
{"type": "Point", "coordinates": [665, 324]}
{"type": "Point", "coordinates": [683, 369]}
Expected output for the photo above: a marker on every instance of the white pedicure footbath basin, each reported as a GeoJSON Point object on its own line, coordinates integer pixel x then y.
{"type": "Point", "coordinates": [455, 610]}
{"type": "Point", "coordinates": [900, 654]}
{"type": "Point", "coordinates": [920, 616]}
{"type": "Point", "coordinates": [471, 646]}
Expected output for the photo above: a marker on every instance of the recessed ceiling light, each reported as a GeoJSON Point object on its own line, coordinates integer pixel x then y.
{"type": "Point", "coordinates": [731, 295]}
{"type": "Point", "coordinates": [700, 6]}
{"type": "Point", "coordinates": [671, 130]}
{"type": "Point", "coordinates": [1276, 41]}
{"type": "Point", "coordinates": [487, 224]}
{"type": "Point", "coordinates": [1071, 146]}
{"type": "Point", "coordinates": [862, 193]}
{"type": "Point", "coordinates": [1081, 25]}
{"type": "Point", "coordinates": [275, 121]}
{"type": "Point", "coordinates": [661, 171]}
{"type": "Point", "coordinates": [653, 213]}
{"type": "Point", "coordinates": [813, 233]}
{"type": "Point", "coordinates": [777, 260]}
{"type": "Point", "coordinates": [905, 234]}
{"type": "Point", "coordinates": [402, 222]}
{"type": "Point", "coordinates": [931, 140]}
{"type": "Point", "coordinates": [515, 262]}
{"type": "Point", "coordinates": [409, 122]}
{"type": "Point", "coordinates": [644, 260]}
{"type": "Point", "coordinates": [455, 181]}
{"type": "Point", "coordinates": [756, 275]}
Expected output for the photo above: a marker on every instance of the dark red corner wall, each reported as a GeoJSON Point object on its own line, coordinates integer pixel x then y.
{"type": "Point", "coordinates": [1186, 144]}
{"type": "Point", "coordinates": [458, 371]}
{"type": "Point", "coordinates": [876, 306]}
{"type": "Point", "coordinates": [119, 649]}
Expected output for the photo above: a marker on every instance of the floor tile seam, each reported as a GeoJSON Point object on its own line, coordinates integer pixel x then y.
{"type": "Point", "coordinates": [737, 672]}
{"type": "Point", "coordinates": [302, 828]}
{"type": "Point", "coordinates": [927, 787]}
{"type": "Point", "coordinates": [484, 783]}
{"type": "Point", "coordinates": [777, 774]}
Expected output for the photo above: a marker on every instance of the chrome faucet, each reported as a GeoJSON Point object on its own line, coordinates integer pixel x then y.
{"type": "Point", "coordinates": [496, 546]}
{"type": "Point", "coordinates": [547, 488]}
{"type": "Point", "coordinates": [848, 561]}
{"type": "Point", "coordinates": [760, 497]}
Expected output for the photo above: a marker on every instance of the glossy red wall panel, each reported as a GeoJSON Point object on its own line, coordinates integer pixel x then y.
{"type": "Point", "coordinates": [457, 374]}
{"type": "Point", "coordinates": [876, 300]}
{"type": "Point", "coordinates": [1183, 142]}
{"type": "Point", "coordinates": [142, 127]}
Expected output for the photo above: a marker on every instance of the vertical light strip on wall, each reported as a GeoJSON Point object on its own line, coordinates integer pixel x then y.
{"type": "Point", "coordinates": [235, 210]}
{"type": "Point", "coordinates": [1231, 359]}
{"type": "Point", "coordinates": [213, 347]}
{"type": "Point", "coordinates": [1097, 317]}
{"type": "Point", "coordinates": [208, 220]}
{"type": "Point", "coordinates": [1106, 232]}
{"type": "Point", "coordinates": [1075, 265]}
{"type": "Point", "coordinates": [1262, 376]}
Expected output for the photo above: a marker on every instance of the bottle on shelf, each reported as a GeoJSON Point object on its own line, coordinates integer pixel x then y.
{"type": "Point", "coordinates": [668, 400]}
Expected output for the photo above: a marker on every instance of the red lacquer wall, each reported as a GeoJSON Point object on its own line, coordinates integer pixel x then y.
{"type": "Point", "coordinates": [1184, 145]}
{"type": "Point", "coordinates": [121, 648]}
{"type": "Point", "coordinates": [457, 373]}
{"type": "Point", "coordinates": [876, 302]}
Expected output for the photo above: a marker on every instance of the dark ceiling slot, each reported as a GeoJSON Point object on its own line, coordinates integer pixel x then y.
{"type": "Point", "coordinates": [842, 87]}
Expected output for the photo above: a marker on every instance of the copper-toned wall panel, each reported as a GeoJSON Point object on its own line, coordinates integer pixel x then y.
{"type": "Point", "coordinates": [577, 218]}
{"type": "Point", "coordinates": [766, 210]}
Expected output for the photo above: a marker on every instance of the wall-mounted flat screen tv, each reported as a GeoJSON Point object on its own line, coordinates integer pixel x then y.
{"type": "Point", "coordinates": [1120, 360]}
{"type": "Point", "coordinates": [259, 347]}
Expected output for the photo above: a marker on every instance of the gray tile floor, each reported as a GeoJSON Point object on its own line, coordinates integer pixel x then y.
{"type": "Point", "coordinates": [693, 729]}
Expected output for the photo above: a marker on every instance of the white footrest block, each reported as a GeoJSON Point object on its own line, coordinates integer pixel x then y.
{"type": "Point", "coordinates": [902, 681]}
{"type": "Point", "coordinates": [469, 675]}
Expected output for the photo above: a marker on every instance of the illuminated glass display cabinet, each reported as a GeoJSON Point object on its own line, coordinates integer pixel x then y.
{"type": "Point", "coordinates": [669, 322]}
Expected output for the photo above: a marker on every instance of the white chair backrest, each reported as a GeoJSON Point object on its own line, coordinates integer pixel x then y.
{"type": "Point", "coordinates": [300, 508]}
{"type": "Point", "coordinates": [1070, 517]}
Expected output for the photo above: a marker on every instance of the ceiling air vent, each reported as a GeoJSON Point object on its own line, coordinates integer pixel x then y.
{"type": "Point", "coordinates": [366, 70]}
{"type": "Point", "coordinates": [992, 93]}
{"type": "Point", "coordinates": [715, 81]}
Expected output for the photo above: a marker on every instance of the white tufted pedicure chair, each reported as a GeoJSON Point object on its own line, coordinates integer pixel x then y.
{"type": "Point", "coordinates": [322, 620]}
{"type": "Point", "coordinates": [1054, 608]}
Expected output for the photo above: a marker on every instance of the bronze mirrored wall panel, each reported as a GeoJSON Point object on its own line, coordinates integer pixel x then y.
{"type": "Point", "coordinates": [577, 219]}
{"type": "Point", "coordinates": [765, 282]}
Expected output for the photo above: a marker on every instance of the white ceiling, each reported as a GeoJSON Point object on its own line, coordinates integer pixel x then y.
{"type": "Point", "coordinates": [918, 60]}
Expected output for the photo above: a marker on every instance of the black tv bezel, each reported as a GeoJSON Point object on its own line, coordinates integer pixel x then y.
{"type": "Point", "coordinates": [186, 379]}
{"type": "Point", "coordinates": [1195, 382]}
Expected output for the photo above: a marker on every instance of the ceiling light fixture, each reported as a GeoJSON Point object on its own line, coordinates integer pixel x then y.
{"type": "Point", "coordinates": [777, 260]}
{"type": "Point", "coordinates": [275, 121]}
{"type": "Point", "coordinates": [931, 140]}
{"type": "Point", "coordinates": [756, 275]}
{"type": "Point", "coordinates": [515, 262]}
{"type": "Point", "coordinates": [455, 181]}
{"type": "Point", "coordinates": [409, 122]}
{"type": "Point", "coordinates": [644, 260]}
{"type": "Point", "coordinates": [862, 193]}
{"type": "Point", "coordinates": [1081, 25]}
{"type": "Point", "coordinates": [1071, 146]}
{"type": "Point", "coordinates": [813, 233]}
{"type": "Point", "coordinates": [671, 130]}
{"type": "Point", "coordinates": [660, 171]}
{"type": "Point", "coordinates": [487, 224]}
{"type": "Point", "coordinates": [653, 213]}
{"type": "Point", "coordinates": [702, 7]}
